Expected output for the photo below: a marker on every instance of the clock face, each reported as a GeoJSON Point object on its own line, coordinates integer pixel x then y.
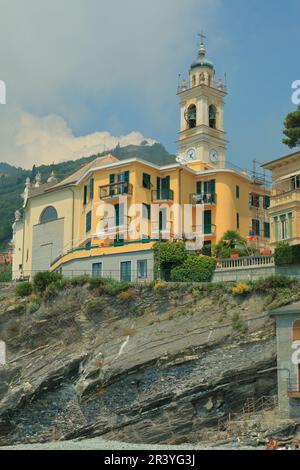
{"type": "Point", "coordinates": [213, 154]}
{"type": "Point", "coordinates": [191, 155]}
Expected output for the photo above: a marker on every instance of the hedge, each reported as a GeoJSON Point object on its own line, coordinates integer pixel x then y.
{"type": "Point", "coordinates": [194, 269]}
{"type": "Point", "coordinates": [286, 254]}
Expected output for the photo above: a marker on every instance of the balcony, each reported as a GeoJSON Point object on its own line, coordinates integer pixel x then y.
{"type": "Point", "coordinates": [111, 191]}
{"type": "Point", "coordinates": [206, 199]}
{"type": "Point", "coordinates": [291, 198]}
{"type": "Point", "coordinates": [208, 230]}
{"type": "Point", "coordinates": [112, 228]}
{"type": "Point", "coordinates": [164, 196]}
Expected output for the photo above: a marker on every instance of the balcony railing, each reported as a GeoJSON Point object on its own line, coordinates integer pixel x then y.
{"type": "Point", "coordinates": [203, 198]}
{"type": "Point", "coordinates": [165, 195]}
{"type": "Point", "coordinates": [113, 190]}
{"type": "Point", "coordinates": [246, 262]}
{"type": "Point", "coordinates": [113, 227]}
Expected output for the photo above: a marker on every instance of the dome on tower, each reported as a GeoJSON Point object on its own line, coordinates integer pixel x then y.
{"type": "Point", "coordinates": [201, 60]}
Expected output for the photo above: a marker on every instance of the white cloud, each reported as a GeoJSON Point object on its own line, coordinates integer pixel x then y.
{"type": "Point", "coordinates": [49, 139]}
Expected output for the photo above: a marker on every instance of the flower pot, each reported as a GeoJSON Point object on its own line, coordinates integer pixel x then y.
{"type": "Point", "coordinates": [234, 256]}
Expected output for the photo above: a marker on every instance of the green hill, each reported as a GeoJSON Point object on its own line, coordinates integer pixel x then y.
{"type": "Point", "coordinates": [12, 179]}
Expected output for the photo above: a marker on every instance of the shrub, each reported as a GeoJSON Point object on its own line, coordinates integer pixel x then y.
{"type": "Point", "coordinates": [272, 282]}
{"type": "Point", "coordinates": [283, 254]}
{"type": "Point", "coordinates": [127, 295]}
{"type": "Point", "coordinates": [24, 289]}
{"type": "Point", "coordinates": [81, 280]}
{"type": "Point", "coordinates": [171, 254]}
{"type": "Point", "coordinates": [160, 284]}
{"type": "Point", "coordinates": [113, 288]}
{"type": "Point", "coordinates": [43, 279]}
{"type": "Point", "coordinates": [240, 289]}
{"type": "Point", "coordinates": [5, 272]}
{"type": "Point", "coordinates": [194, 269]}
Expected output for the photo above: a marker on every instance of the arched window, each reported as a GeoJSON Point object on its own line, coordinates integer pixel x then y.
{"type": "Point", "coordinates": [48, 215]}
{"type": "Point", "coordinates": [191, 116]}
{"type": "Point", "coordinates": [212, 115]}
{"type": "Point", "coordinates": [194, 80]}
{"type": "Point", "coordinates": [296, 331]}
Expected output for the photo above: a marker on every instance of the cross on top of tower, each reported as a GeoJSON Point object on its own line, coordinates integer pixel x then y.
{"type": "Point", "coordinates": [202, 37]}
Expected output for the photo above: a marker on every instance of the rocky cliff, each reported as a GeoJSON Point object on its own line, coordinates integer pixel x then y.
{"type": "Point", "coordinates": [152, 364]}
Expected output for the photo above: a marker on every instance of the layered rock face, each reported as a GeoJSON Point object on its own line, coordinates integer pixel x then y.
{"type": "Point", "coordinates": [154, 366]}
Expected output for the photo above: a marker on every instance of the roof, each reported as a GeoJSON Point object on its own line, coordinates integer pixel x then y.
{"type": "Point", "coordinates": [98, 162]}
{"type": "Point", "coordinates": [286, 310]}
{"type": "Point", "coordinates": [271, 163]}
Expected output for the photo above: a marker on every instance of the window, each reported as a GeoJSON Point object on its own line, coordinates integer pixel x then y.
{"type": "Point", "coordinates": [88, 221]}
{"type": "Point", "coordinates": [267, 201]}
{"type": "Point", "coordinates": [125, 271]}
{"type": "Point", "coordinates": [256, 227]}
{"type": "Point", "coordinates": [146, 181]}
{"type": "Point", "coordinates": [146, 211]}
{"type": "Point", "coordinates": [283, 227]}
{"type": "Point", "coordinates": [163, 191]}
{"type": "Point", "coordinates": [191, 116]}
{"type": "Point", "coordinates": [97, 269]}
{"type": "Point", "coordinates": [267, 229]}
{"type": "Point", "coordinates": [237, 220]}
{"type": "Point", "coordinates": [276, 229]}
{"type": "Point", "coordinates": [290, 220]}
{"type": "Point", "coordinates": [142, 269]}
{"type": "Point", "coordinates": [254, 200]}
{"type": "Point", "coordinates": [48, 215]}
{"type": "Point", "coordinates": [237, 192]}
{"type": "Point", "coordinates": [92, 189]}
{"type": "Point", "coordinates": [85, 192]}
{"type": "Point", "coordinates": [212, 116]}
{"type": "Point", "coordinates": [163, 219]}
{"type": "Point", "coordinates": [295, 182]}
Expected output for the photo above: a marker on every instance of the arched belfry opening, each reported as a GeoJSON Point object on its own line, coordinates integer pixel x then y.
{"type": "Point", "coordinates": [212, 116]}
{"type": "Point", "coordinates": [191, 116]}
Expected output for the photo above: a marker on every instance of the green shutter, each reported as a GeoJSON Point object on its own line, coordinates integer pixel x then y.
{"type": "Point", "coordinates": [276, 228]}
{"type": "Point", "coordinates": [290, 218]}
{"type": "Point", "coordinates": [117, 214]}
{"type": "Point", "coordinates": [92, 189]}
{"type": "Point", "coordinates": [267, 230]}
{"type": "Point", "coordinates": [126, 182]}
{"type": "Point", "coordinates": [85, 195]}
{"type": "Point", "coordinates": [158, 188]}
{"type": "Point", "coordinates": [111, 182]}
{"type": "Point", "coordinates": [207, 222]}
{"type": "Point", "coordinates": [213, 186]}
{"type": "Point", "coordinates": [199, 187]}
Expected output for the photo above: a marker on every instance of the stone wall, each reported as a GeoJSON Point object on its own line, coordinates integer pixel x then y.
{"type": "Point", "coordinates": [254, 273]}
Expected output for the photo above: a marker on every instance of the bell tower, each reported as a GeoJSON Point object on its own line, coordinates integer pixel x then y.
{"type": "Point", "coordinates": [202, 137]}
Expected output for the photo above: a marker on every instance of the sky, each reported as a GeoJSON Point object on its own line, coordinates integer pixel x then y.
{"type": "Point", "coordinates": [83, 75]}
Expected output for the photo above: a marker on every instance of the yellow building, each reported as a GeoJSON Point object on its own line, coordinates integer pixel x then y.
{"type": "Point", "coordinates": [105, 218]}
{"type": "Point", "coordinates": [284, 210]}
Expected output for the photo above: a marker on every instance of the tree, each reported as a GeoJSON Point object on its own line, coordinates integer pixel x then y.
{"type": "Point", "coordinates": [228, 243]}
{"type": "Point", "coordinates": [292, 129]}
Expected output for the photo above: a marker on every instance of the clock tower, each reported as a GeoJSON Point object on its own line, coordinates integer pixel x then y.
{"type": "Point", "coordinates": [202, 137]}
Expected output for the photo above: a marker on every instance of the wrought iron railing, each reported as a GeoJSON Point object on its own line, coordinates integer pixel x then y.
{"type": "Point", "coordinates": [203, 198]}
{"type": "Point", "coordinates": [115, 189]}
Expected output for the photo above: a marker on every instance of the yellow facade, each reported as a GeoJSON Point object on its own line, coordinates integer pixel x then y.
{"type": "Point", "coordinates": [284, 211]}
{"type": "Point", "coordinates": [200, 177]}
